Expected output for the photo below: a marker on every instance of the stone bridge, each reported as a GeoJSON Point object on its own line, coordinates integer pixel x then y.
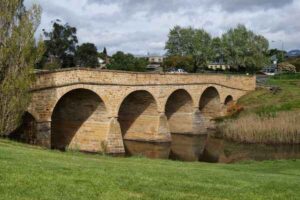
{"type": "Point", "coordinates": [92, 110]}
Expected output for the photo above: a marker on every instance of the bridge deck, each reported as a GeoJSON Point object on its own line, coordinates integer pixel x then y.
{"type": "Point", "coordinates": [64, 77]}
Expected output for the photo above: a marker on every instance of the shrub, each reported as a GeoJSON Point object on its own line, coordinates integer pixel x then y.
{"type": "Point", "coordinates": [286, 67]}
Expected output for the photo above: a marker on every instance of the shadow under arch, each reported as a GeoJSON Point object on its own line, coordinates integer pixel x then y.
{"type": "Point", "coordinates": [210, 105]}
{"type": "Point", "coordinates": [26, 132]}
{"type": "Point", "coordinates": [138, 116]}
{"type": "Point", "coordinates": [228, 100]}
{"type": "Point", "coordinates": [77, 121]}
{"type": "Point", "coordinates": [179, 112]}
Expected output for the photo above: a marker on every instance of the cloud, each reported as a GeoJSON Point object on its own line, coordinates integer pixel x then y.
{"type": "Point", "coordinates": [141, 26]}
{"type": "Point", "coordinates": [238, 5]}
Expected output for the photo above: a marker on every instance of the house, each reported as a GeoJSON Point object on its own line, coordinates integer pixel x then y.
{"type": "Point", "coordinates": [155, 62]}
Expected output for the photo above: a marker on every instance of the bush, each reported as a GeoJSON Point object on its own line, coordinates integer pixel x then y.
{"type": "Point", "coordinates": [286, 67]}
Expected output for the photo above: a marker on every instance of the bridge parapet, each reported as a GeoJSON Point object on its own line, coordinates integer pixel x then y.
{"type": "Point", "coordinates": [104, 77]}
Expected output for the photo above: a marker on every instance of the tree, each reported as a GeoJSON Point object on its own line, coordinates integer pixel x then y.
{"type": "Point", "coordinates": [18, 55]}
{"type": "Point", "coordinates": [60, 46]}
{"type": "Point", "coordinates": [127, 62]}
{"type": "Point", "coordinates": [280, 55]}
{"type": "Point", "coordinates": [104, 52]}
{"type": "Point", "coordinates": [244, 50]}
{"type": "Point", "coordinates": [104, 56]}
{"type": "Point", "coordinates": [217, 50]}
{"type": "Point", "coordinates": [183, 62]}
{"type": "Point", "coordinates": [86, 55]}
{"type": "Point", "coordinates": [190, 42]}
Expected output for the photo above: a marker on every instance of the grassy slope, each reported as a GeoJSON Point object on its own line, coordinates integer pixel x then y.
{"type": "Point", "coordinates": [31, 173]}
{"type": "Point", "coordinates": [263, 101]}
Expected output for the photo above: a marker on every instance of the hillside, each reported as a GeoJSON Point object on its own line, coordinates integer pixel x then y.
{"type": "Point", "coordinates": [268, 116]}
{"type": "Point", "coordinates": [264, 101]}
{"type": "Point", "coordinates": [31, 173]}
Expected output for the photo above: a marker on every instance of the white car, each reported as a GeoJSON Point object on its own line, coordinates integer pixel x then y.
{"type": "Point", "coordinates": [178, 71]}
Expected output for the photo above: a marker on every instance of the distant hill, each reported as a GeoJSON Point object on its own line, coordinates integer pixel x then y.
{"type": "Point", "coordinates": [293, 53]}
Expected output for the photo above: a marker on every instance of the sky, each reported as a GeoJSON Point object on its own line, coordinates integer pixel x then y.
{"type": "Point", "coordinates": [142, 26]}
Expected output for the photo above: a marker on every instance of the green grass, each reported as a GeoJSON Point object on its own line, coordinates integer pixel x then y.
{"type": "Point", "coordinates": [31, 173]}
{"type": "Point", "coordinates": [264, 102]}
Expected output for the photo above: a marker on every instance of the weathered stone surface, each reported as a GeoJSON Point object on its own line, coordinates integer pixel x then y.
{"type": "Point", "coordinates": [93, 110]}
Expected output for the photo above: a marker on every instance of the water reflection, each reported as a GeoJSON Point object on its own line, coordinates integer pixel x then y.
{"type": "Point", "coordinates": [182, 147]}
{"type": "Point", "coordinates": [207, 149]}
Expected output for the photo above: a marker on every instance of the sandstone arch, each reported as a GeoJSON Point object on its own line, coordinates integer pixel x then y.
{"type": "Point", "coordinates": [139, 117]}
{"type": "Point", "coordinates": [179, 111]}
{"type": "Point", "coordinates": [210, 105]}
{"type": "Point", "coordinates": [79, 121]}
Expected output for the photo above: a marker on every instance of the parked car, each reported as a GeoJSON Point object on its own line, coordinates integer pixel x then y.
{"type": "Point", "coordinates": [177, 71]}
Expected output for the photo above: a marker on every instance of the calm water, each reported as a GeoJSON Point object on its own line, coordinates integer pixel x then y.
{"type": "Point", "coordinates": [207, 149]}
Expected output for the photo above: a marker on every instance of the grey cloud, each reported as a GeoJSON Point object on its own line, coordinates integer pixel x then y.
{"type": "Point", "coordinates": [238, 5]}
{"type": "Point", "coordinates": [141, 26]}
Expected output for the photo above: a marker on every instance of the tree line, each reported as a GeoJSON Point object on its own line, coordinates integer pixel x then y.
{"type": "Point", "coordinates": [193, 49]}
{"type": "Point", "coordinates": [62, 51]}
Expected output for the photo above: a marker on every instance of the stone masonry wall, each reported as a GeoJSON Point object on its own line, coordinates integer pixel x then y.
{"type": "Point", "coordinates": [129, 106]}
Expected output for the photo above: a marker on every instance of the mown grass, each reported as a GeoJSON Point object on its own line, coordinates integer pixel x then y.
{"type": "Point", "coordinates": [31, 173]}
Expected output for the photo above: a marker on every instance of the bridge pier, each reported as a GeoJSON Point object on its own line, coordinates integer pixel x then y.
{"type": "Point", "coordinates": [43, 134]}
{"type": "Point", "coordinates": [163, 133]}
{"type": "Point", "coordinates": [115, 143]}
{"type": "Point", "coordinates": [199, 126]}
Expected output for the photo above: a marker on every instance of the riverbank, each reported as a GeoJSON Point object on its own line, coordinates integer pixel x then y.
{"type": "Point", "coordinates": [270, 115]}
{"type": "Point", "coordinates": [29, 172]}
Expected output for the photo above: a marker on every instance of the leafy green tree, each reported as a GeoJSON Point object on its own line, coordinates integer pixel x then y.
{"type": "Point", "coordinates": [86, 55]}
{"type": "Point", "coordinates": [280, 55]}
{"type": "Point", "coordinates": [183, 62]}
{"type": "Point", "coordinates": [217, 50]}
{"type": "Point", "coordinates": [60, 46]}
{"type": "Point", "coordinates": [104, 56]}
{"type": "Point", "coordinates": [190, 42]}
{"type": "Point", "coordinates": [244, 50]}
{"type": "Point", "coordinates": [18, 55]}
{"type": "Point", "coordinates": [127, 62]}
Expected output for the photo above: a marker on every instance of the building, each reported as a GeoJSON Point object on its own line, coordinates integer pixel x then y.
{"type": "Point", "coordinates": [155, 62]}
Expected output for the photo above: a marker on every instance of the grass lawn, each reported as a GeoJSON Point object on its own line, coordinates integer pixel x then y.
{"type": "Point", "coordinates": [262, 101]}
{"type": "Point", "coordinates": [28, 172]}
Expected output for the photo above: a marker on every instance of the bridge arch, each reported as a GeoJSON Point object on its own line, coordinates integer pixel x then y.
{"type": "Point", "coordinates": [26, 132]}
{"type": "Point", "coordinates": [228, 100]}
{"type": "Point", "coordinates": [179, 111]}
{"type": "Point", "coordinates": [79, 121]}
{"type": "Point", "coordinates": [210, 104]}
{"type": "Point", "coordinates": [138, 116]}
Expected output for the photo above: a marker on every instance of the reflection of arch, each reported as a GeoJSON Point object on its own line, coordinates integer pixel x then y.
{"type": "Point", "coordinates": [179, 110]}
{"type": "Point", "coordinates": [228, 100]}
{"type": "Point", "coordinates": [26, 132]}
{"type": "Point", "coordinates": [138, 115]}
{"type": "Point", "coordinates": [78, 121]}
{"type": "Point", "coordinates": [209, 103]}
